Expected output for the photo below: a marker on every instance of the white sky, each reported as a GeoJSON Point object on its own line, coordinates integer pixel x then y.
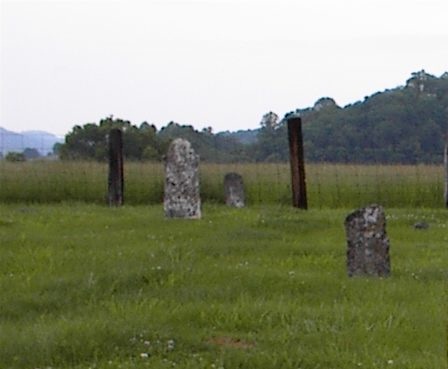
{"type": "Point", "coordinates": [219, 63]}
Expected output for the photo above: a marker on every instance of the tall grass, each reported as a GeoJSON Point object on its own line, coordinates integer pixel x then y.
{"type": "Point", "coordinates": [329, 185]}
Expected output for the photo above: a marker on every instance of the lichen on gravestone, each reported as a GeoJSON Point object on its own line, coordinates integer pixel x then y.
{"type": "Point", "coordinates": [367, 242]}
{"type": "Point", "coordinates": [182, 196]}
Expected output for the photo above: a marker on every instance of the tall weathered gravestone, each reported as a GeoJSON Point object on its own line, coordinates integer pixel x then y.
{"type": "Point", "coordinates": [367, 243]}
{"type": "Point", "coordinates": [182, 198]}
{"type": "Point", "coordinates": [234, 190]}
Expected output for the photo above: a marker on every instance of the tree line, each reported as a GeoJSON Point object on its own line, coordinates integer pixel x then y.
{"type": "Point", "coordinates": [407, 124]}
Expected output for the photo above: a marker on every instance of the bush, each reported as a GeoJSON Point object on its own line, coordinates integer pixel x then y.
{"type": "Point", "coordinates": [15, 157]}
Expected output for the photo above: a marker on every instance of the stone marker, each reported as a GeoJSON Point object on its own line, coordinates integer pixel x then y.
{"type": "Point", "coordinates": [367, 242]}
{"type": "Point", "coordinates": [421, 225]}
{"type": "Point", "coordinates": [182, 198]}
{"type": "Point", "coordinates": [234, 190]}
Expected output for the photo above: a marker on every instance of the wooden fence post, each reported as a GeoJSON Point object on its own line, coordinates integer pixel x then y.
{"type": "Point", "coordinates": [116, 180]}
{"type": "Point", "coordinates": [296, 159]}
{"type": "Point", "coordinates": [445, 166]}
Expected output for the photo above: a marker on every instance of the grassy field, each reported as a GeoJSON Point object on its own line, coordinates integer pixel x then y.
{"type": "Point", "coordinates": [329, 186]}
{"type": "Point", "coordinates": [85, 286]}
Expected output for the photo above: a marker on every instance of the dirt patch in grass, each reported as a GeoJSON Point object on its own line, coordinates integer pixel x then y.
{"type": "Point", "coordinates": [230, 342]}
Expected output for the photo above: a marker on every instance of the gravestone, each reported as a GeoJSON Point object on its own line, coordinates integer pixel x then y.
{"type": "Point", "coordinates": [182, 198]}
{"type": "Point", "coordinates": [234, 190]}
{"type": "Point", "coordinates": [367, 242]}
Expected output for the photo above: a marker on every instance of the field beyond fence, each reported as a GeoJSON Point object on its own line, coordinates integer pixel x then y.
{"type": "Point", "coordinates": [329, 185]}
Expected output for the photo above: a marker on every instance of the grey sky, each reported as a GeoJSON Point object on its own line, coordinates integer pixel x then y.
{"type": "Point", "coordinates": [218, 63]}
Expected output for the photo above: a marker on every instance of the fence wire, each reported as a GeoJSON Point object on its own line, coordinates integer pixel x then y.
{"type": "Point", "coordinates": [328, 185]}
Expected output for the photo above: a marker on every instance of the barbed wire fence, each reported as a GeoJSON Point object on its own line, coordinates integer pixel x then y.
{"type": "Point", "coordinates": [46, 179]}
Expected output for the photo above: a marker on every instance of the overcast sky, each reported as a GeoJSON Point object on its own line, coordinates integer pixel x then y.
{"type": "Point", "coordinates": [219, 63]}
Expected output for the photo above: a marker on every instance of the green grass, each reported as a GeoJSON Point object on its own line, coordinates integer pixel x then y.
{"type": "Point", "coordinates": [329, 186]}
{"type": "Point", "coordinates": [85, 286]}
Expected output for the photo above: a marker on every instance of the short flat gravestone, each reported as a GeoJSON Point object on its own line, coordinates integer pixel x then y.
{"type": "Point", "coordinates": [182, 198]}
{"type": "Point", "coordinates": [367, 243]}
{"type": "Point", "coordinates": [234, 190]}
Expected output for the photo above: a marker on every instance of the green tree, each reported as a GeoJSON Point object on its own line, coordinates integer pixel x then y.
{"type": "Point", "coordinates": [90, 141]}
{"type": "Point", "coordinates": [31, 153]}
{"type": "Point", "coordinates": [272, 140]}
{"type": "Point", "coordinates": [15, 157]}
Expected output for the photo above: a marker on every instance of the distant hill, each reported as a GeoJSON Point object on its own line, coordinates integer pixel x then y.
{"type": "Point", "coordinates": [219, 148]}
{"type": "Point", "coordinates": [246, 137]}
{"type": "Point", "coordinates": [407, 124]}
{"type": "Point", "coordinates": [17, 142]}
